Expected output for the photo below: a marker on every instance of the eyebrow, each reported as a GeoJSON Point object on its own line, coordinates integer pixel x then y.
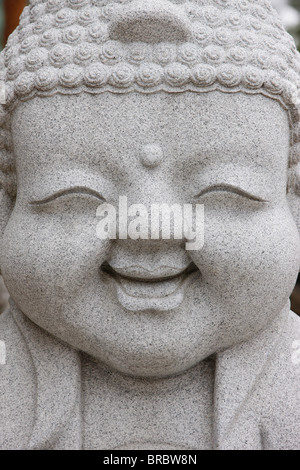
{"type": "Point", "coordinates": [73, 190]}
{"type": "Point", "coordinates": [231, 188]}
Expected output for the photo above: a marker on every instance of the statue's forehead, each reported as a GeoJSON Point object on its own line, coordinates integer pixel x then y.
{"type": "Point", "coordinates": [182, 123]}
{"type": "Point", "coordinates": [107, 133]}
{"type": "Point", "coordinates": [142, 111]}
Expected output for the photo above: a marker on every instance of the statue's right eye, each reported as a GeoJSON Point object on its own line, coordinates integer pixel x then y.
{"type": "Point", "coordinates": [76, 190]}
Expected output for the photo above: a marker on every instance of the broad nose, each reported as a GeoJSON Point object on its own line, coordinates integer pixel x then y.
{"type": "Point", "coordinates": [150, 237]}
{"type": "Point", "coordinates": [148, 224]}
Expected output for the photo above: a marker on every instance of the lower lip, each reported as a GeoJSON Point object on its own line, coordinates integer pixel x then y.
{"type": "Point", "coordinates": [160, 296]}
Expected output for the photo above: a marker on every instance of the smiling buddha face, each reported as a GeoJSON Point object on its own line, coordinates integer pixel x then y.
{"type": "Point", "coordinates": [82, 134]}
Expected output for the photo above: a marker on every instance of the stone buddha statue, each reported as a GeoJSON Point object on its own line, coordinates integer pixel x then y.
{"type": "Point", "coordinates": [137, 342]}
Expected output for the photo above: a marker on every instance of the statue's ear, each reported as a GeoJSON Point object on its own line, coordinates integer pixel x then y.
{"type": "Point", "coordinates": [7, 165]}
{"type": "Point", "coordinates": [7, 190]}
{"type": "Point", "coordinates": [294, 192]}
{"type": "Point", "coordinates": [7, 187]}
{"type": "Point", "coordinates": [294, 201]}
{"type": "Point", "coordinates": [6, 206]}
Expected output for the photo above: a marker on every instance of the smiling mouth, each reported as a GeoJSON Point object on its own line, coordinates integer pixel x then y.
{"type": "Point", "coordinates": [139, 288]}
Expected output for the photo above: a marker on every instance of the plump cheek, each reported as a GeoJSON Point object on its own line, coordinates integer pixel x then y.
{"type": "Point", "coordinates": [249, 265]}
{"type": "Point", "coordinates": [49, 260]}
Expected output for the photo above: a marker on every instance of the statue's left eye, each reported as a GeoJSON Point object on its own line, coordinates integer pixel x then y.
{"type": "Point", "coordinates": [78, 190]}
{"type": "Point", "coordinates": [229, 189]}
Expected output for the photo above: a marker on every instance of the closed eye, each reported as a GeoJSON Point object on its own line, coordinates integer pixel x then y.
{"type": "Point", "coordinates": [76, 190]}
{"type": "Point", "coordinates": [231, 189]}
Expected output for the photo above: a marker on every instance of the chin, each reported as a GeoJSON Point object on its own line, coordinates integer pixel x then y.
{"type": "Point", "coordinates": [156, 359]}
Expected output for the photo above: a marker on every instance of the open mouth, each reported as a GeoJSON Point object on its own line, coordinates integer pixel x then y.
{"type": "Point", "coordinates": [139, 288]}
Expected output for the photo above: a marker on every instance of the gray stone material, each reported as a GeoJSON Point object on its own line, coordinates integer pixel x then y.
{"type": "Point", "coordinates": [136, 343]}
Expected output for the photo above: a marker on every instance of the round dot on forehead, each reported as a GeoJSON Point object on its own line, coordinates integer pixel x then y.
{"type": "Point", "coordinates": [152, 155]}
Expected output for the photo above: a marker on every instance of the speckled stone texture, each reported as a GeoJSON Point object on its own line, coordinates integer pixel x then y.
{"type": "Point", "coordinates": [141, 343]}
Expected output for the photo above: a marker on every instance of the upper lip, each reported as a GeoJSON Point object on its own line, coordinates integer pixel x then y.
{"type": "Point", "coordinates": [143, 274]}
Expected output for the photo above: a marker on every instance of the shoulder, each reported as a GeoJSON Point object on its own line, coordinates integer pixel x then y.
{"type": "Point", "coordinates": [281, 391]}
{"type": "Point", "coordinates": [17, 386]}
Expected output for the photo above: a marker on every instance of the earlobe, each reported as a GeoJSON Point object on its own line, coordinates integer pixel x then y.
{"type": "Point", "coordinates": [293, 191]}
{"type": "Point", "coordinates": [294, 203]}
{"type": "Point", "coordinates": [6, 207]}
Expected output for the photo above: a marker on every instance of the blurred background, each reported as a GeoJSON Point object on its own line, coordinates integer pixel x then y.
{"type": "Point", "coordinates": [10, 11]}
